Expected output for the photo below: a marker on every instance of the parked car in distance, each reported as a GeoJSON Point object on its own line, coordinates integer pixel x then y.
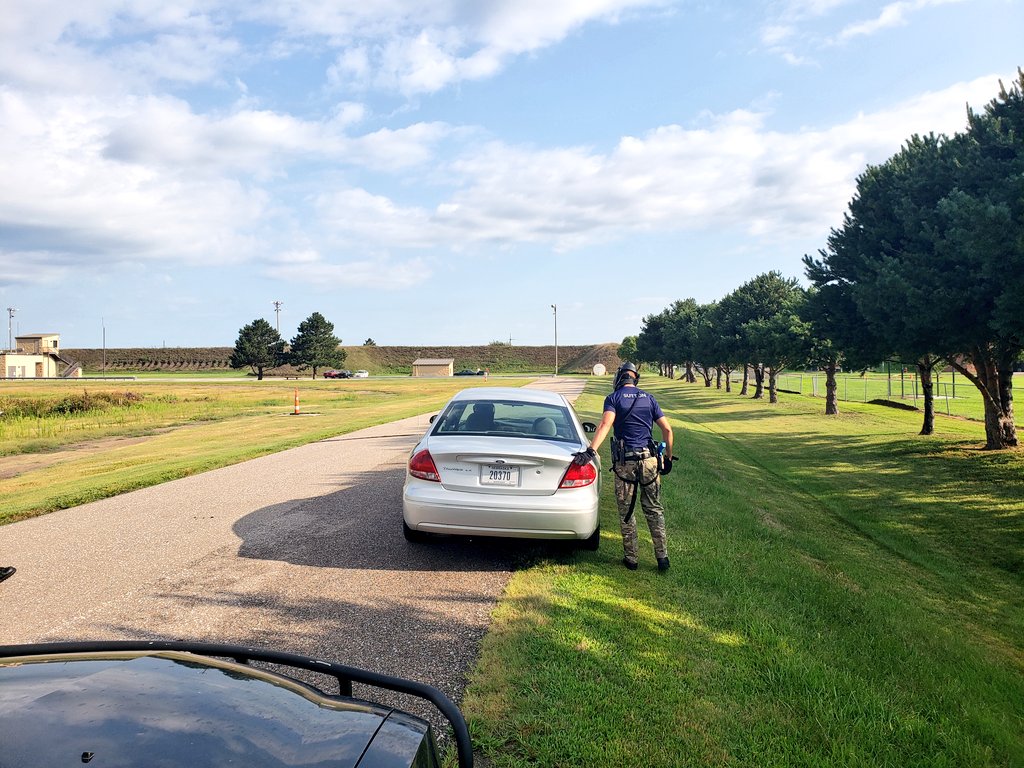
{"type": "Point", "coordinates": [497, 461]}
{"type": "Point", "coordinates": [334, 374]}
{"type": "Point", "coordinates": [361, 374]}
{"type": "Point", "coordinates": [141, 703]}
{"type": "Point", "coordinates": [468, 372]}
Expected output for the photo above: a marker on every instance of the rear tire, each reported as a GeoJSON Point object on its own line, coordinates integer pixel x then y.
{"type": "Point", "coordinates": [416, 537]}
{"type": "Point", "coordinates": [593, 541]}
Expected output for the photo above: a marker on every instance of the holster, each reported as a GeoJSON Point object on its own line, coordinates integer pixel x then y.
{"type": "Point", "coordinates": [656, 451]}
{"type": "Point", "coordinates": [618, 451]}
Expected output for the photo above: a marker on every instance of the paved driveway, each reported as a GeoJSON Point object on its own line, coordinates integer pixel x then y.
{"type": "Point", "coordinates": [299, 551]}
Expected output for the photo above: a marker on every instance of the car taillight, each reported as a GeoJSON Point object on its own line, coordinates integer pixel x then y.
{"type": "Point", "coordinates": [422, 466]}
{"type": "Point", "coordinates": [577, 476]}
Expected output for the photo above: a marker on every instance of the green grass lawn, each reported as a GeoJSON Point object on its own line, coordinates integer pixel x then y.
{"type": "Point", "coordinates": [843, 592]}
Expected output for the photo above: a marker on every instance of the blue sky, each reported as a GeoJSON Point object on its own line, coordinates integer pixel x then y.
{"type": "Point", "coordinates": [443, 171]}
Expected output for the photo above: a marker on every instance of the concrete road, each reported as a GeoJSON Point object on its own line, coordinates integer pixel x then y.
{"type": "Point", "coordinates": [299, 551]}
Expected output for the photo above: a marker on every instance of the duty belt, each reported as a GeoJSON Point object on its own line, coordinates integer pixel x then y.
{"type": "Point", "coordinates": [637, 455]}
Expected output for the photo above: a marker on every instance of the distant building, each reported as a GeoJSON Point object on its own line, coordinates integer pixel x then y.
{"type": "Point", "coordinates": [37, 356]}
{"type": "Point", "coordinates": [425, 367]}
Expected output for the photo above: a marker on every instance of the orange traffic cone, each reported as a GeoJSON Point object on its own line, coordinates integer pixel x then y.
{"type": "Point", "coordinates": [296, 411]}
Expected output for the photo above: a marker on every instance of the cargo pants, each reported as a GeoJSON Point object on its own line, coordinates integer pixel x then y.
{"type": "Point", "coordinates": [649, 500]}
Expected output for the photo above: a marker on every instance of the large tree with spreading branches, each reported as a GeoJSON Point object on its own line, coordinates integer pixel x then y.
{"type": "Point", "coordinates": [931, 254]}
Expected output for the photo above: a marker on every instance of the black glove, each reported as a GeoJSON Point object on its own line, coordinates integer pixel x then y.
{"type": "Point", "coordinates": [666, 464]}
{"type": "Point", "coordinates": [584, 457]}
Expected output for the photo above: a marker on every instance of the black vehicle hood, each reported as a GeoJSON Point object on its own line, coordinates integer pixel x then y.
{"type": "Point", "coordinates": [170, 709]}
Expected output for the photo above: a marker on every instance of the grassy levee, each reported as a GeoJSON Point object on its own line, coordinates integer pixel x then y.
{"type": "Point", "coordinates": [64, 444]}
{"type": "Point", "coordinates": [843, 592]}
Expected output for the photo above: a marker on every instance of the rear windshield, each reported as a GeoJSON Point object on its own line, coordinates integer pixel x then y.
{"type": "Point", "coordinates": [506, 418]}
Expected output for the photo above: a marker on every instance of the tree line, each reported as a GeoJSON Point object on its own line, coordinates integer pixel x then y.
{"type": "Point", "coordinates": [260, 347]}
{"type": "Point", "coordinates": [927, 266]}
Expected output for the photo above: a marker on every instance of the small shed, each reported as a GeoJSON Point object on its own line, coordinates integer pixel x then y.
{"type": "Point", "coordinates": [426, 367]}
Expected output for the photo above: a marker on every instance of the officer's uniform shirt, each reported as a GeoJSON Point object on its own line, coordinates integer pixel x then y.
{"type": "Point", "coordinates": [634, 431]}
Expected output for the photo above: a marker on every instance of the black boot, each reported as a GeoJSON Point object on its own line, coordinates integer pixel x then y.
{"type": "Point", "coordinates": [663, 563]}
{"type": "Point", "coordinates": [7, 571]}
{"type": "Point", "coordinates": [630, 564]}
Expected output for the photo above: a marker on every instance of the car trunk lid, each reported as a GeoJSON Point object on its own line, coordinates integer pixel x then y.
{"type": "Point", "coordinates": [525, 467]}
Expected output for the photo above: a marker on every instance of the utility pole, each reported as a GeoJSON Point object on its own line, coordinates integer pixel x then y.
{"type": "Point", "coordinates": [277, 312]}
{"type": "Point", "coordinates": [10, 320]}
{"type": "Point", "coordinates": [555, 308]}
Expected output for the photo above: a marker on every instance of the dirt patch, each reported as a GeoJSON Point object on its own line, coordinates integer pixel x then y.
{"type": "Point", "coordinates": [12, 466]}
{"type": "Point", "coordinates": [769, 521]}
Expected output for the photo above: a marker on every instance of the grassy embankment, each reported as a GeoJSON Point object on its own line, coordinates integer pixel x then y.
{"type": "Point", "coordinates": [842, 592]}
{"type": "Point", "coordinates": [379, 361]}
{"type": "Point", "coordinates": [64, 444]}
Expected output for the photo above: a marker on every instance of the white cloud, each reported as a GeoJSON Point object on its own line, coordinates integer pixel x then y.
{"type": "Point", "coordinates": [893, 15]}
{"type": "Point", "coordinates": [110, 46]}
{"type": "Point", "coordinates": [518, 26]}
{"type": "Point", "coordinates": [61, 193]}
{"type": "Point", "coordinates": [421, 51]}
{"type": "Point", "coordinates": [29, 267]}
{"type": "Point", "coordinates": [94, 181]}
{"type": "Point", "coordinates": [355, 214]}
{"type": "Point", "coordinates": [180, 58]}
{"type": "Point", "coordinates": [105, 177]}
{"type": "Point", "coordinates": [803, 9]}
{"type": "Point", "coordinates": [166, 132]}
{"type": "Point", "coordinates": [732, 171]}
{"type": "Point", "coordinates": [776, 34]}
{"type": "Point", "coordinates": [793, 32]}
{"type": "Point", "coordinates": [382, 272]}
{"type": "Point", "coordinates": [408, 46]}
{"type": "Point", "coordinates": [393, 150]}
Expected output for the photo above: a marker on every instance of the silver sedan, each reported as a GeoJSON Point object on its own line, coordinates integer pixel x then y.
{"type": "Point", "coordinates": [497, 461]}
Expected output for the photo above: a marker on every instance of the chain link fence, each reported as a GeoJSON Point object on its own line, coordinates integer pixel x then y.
{"type": "Point", "coordinates": [953, 394]}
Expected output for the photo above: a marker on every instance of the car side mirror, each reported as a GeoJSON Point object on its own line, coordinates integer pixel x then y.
{"type": "Point", "coordinates": [589, 426]}
{"type": "Point", "coordinates": [432, 418]}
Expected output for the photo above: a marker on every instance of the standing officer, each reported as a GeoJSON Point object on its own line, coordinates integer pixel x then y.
{"type": "Point", "coordinates": [636, 460]}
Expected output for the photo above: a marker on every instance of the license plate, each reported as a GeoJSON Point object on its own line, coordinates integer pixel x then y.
{"type": "Point", "coordinates": [499, 474]}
